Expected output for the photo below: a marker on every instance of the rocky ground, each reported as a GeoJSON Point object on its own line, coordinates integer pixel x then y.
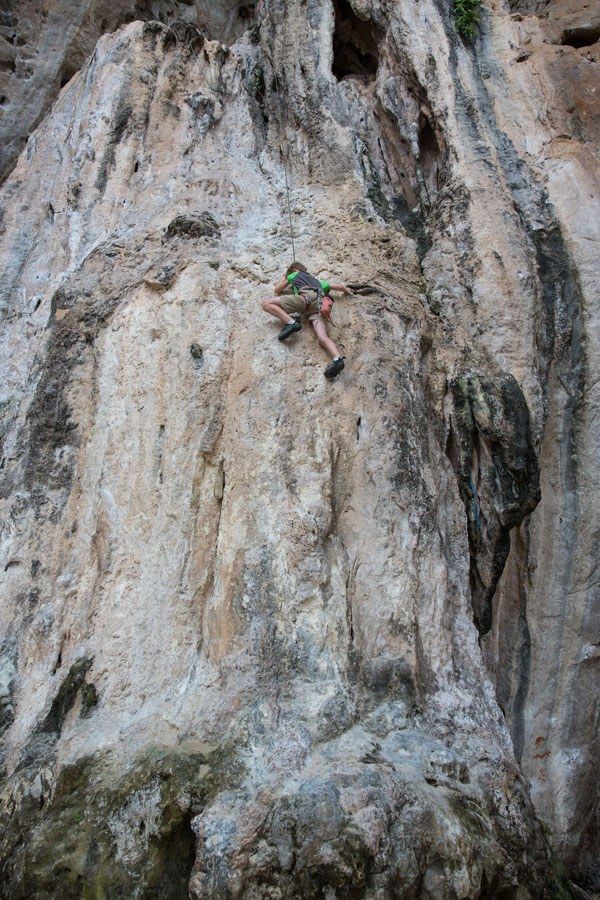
{"type": "Point", "coordinates": [266, 635]}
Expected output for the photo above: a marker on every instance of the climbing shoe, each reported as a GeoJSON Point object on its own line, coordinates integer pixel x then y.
{"type": "Point", "coordinates": [335, 367]}
{"type": "Point", "coordinates": [291, 328]}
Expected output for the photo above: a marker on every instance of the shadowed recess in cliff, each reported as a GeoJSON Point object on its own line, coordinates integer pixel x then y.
{"type": "Point", "coordinates": [430, 161]}
{"type": "Point", "coordinates": [355, 44]}
{"type": "Point", "coordinates": [491, 450]}
{"type": "Point", "coordinates": [78, 825]}
{"type": "Point", "coordinates": [581, 36]}
{"type": "Point", "coordinates": [52, 428]}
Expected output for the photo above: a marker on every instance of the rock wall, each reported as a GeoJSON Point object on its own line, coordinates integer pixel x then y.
{"type": "Point", "coordinates": [42, 45]}
{"type": "Point", "coordinates": [266, 635]}
{"type": "Point", "coordinates": [544, 648]}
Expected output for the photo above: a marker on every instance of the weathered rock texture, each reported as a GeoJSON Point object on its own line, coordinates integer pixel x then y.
{"type": "Point", "coordinates": [266, 635]}
{"type": "Point", "coordinates": [42, 45]}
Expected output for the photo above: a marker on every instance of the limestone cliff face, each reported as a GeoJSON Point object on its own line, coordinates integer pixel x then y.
{"type": "Point", "coordinates": [42, 45]}
{"type": "Point", "coordinates": [266, 635]}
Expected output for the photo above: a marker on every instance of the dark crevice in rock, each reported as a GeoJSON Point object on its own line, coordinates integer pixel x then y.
{"type": "Point", "coordinates": [523, 662]}
{"type": "Point", "coordinates": [184, 35]}
{"type": "Point", "coordinates": [58, 662]}
{"type": "Point", "coordinates": [374, 191]}
{"type": "Point", "coordinates": [41, 746]}
{"type": "Point", "coordinates": [491, 449]}
{"type": "Point", "coordinates": [514, 643]}
{"type": "Point", "coordinates": [429, 160]}
{"type": "Point", "coordinates": [178, 849]}
{"type": "Point", "coordinates": [413, 224]}
{"type": "Point", "coordinates": [579, 37]}
{"type": "Point", "coordinates": [65, 698]}
{"type": "Point", "coordinates": [8, 655]}
{"type": "Point", "coordinates": [355, 44]}
{"type": "Point", "coordinates": [528, 6]}
{"type": "Point", "coordinates": [7, 65]}
{"type": "Point", "coordinates": [7, 18]}
{"type": "Point", "coordinates": [246, 12]}
{"type": "Point", "coordinates": [400, 173]}
{"type": "Point", "coordinates": [255, 84]}
{"type": "Point", "coordinates": [119, 127]}
{"type": "Point", "coordinates": [197, 354]}
{"type": "Point", "coordinates": [89, 699]}
{"type": "Point", "coordinates": [52, 432]}
{"type": "Point", "coordinates": [388, 677]}
{"type": "Point", "coordinates": [67, 72]}
{"type": "Point", "coordinates": [412, 161]}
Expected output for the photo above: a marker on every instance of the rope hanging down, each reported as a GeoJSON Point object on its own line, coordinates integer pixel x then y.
{"type": "Point", "coordinates": [284, 163]}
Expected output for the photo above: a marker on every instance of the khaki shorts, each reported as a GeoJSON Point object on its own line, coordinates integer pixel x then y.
{"type": "Point", "coordinates": [296, 304]}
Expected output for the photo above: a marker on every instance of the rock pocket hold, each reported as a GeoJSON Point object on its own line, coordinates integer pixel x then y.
{"type": "Point", "coordinates": [193, 225]}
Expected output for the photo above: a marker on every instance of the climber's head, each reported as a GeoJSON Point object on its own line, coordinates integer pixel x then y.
{"type": "Point", "coordinates": [296, 267]}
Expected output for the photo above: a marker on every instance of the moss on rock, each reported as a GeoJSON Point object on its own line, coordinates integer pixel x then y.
{"type": "Point", "coordinates": [97, 832]}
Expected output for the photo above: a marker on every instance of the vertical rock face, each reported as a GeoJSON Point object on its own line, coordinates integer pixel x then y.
{"type": "Point", "coordinates": [42, 45]}
{"type": "Point", "coordinates": [544, 645]}
{"type": "Point", "coordinates": [259, 629]}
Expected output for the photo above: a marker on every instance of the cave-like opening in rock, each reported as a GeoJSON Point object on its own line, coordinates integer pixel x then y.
{"type": "Point", "coordinates": [67, 72]}
{"type": "Point", "coordinates": [246, 12]}
{"type": "Point", "coordinates": [585, 36]}
{"type": "Point", "coordinates": [355, 44]}
{"type": "Point", "coordinates": [176, 855]}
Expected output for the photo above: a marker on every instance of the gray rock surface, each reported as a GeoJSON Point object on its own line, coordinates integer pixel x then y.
{"type": "Point", "coordinates": [266, 635]}
{"type": "Point", "coordinates": [42, 45]}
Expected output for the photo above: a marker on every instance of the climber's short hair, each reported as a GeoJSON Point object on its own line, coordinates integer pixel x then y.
{"type": "Point", "coordinates": [296, 267]}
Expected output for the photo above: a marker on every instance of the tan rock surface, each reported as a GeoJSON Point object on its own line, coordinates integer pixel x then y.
{"type": "Point", "coordinates": [240, 603]}
{"type": "Point", "coordinates": [546, 633]}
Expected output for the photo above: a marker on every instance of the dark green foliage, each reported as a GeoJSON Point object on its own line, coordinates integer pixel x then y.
{"type": "Point", "coordinates": [466, 16]}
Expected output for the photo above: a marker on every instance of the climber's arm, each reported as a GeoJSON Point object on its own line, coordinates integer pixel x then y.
{"type": "Point", "coordinates": [340, 288]}
{"type": "Point", "coordinates": [281, 286]}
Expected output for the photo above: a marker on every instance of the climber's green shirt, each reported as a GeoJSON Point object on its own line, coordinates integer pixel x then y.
{"type": "Point", "coordinates": [324, 284]}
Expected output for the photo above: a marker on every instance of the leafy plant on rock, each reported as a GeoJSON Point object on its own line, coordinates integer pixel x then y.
{"type": "Point", "coordinates": [466, 16]}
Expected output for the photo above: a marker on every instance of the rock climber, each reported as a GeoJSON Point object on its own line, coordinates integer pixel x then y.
{"type": "Point", "coordinates": [311, 298]}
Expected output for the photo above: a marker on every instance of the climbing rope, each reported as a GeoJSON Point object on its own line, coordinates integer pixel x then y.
{"type": "Point", "coordinates": [284, 163]}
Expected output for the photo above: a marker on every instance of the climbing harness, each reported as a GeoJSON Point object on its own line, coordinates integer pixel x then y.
{"type": "Point", "coordinates": [304, 283]}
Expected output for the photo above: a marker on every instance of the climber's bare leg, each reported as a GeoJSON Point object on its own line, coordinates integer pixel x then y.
{"type": "Point", "coordinates": [274, 307]}
{"type": "Point", "coordinates": [324, 340]}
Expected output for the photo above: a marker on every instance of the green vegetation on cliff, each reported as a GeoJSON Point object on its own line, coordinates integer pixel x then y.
{"type": "Point", "coordinates": [466, 16]}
